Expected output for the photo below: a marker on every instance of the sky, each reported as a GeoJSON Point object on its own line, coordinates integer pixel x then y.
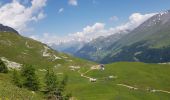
{"type": "Point", "coordinates": [54, 21]}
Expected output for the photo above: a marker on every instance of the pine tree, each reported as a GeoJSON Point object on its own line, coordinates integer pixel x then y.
{"type": "Point", "coordinates": [60, 92]}
{"type": "Point", "coordinates": [51, 80]}
{"type": "Point", "coordinates": [31, 81]}
{"type": "Point", "coordinates": [51, 83]}
{"type": "Point", "coordinates": [56, 89]}
{"type": "Point", "coordinates": [3, 67]}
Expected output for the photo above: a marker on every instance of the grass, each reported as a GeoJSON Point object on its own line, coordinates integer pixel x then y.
{"type": "Point", "coordinates": [9, 91]}
{"type": "Point", "coordinates": [140, 75]}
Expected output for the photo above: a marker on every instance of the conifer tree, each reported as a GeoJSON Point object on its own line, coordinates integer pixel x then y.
{"type": "Point", "coordinates": [31, 80]}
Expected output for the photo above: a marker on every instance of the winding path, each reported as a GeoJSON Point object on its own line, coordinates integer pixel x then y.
{"type": "Point", "coordinates": [82, 74]}
{"type": "Point", "coordinates": [124, 85]}
{"type": "Point", "coordinates": [154, 90]}
{"type": "Point", "coordinates": [128, 86]}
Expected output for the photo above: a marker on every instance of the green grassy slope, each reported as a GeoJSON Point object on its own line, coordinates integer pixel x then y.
{"type": "Point", "coordinates": [22, 50]}
{"type": "Point", "coordinates": [8, 91]}
{"type": "Point", "coordinates": [138, 75]}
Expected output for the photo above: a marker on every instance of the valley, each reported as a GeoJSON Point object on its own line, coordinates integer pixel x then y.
{"type": "Point", "coordinates": [84, 50]}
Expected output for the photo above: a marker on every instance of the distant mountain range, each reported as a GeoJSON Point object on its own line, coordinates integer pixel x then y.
{"type": "Point", "coordinates": [69, 47]}
{"type": "Point", "coordinates": [149, 42]}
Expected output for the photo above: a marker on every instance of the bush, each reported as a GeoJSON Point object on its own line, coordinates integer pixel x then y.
{"type": "Point", "coordinates": [3, 67]}
{"type": "Point", "coordinates": [17, 79]}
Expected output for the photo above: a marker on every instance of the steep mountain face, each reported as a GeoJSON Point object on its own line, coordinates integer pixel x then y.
{"type": "Point", "coordinates": [155, 28]}
{"type": "Point", "coordinates": [97, 48]}
{"type": "Point", "coordinates": [7, 29]}
{"type": "Point", "coordinates": [151, 38]}
{"type": "Point", "coordinates": [147, 43]}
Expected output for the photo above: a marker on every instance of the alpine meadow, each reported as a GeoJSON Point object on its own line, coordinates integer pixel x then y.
{"type": "Point", "coordinates": [84, 50]}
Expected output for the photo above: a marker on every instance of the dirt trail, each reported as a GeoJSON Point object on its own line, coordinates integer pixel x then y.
{"type": "Point", "coordinates": [128, 86]}
{"type": "Point", "coordinates": [124, 85]}
{"type": "Point", "coordinates": [160, 91]}
{"type": "Point", "coordinates": [131, 87]}
{"type": "Point", "coordinates": [82, 74]}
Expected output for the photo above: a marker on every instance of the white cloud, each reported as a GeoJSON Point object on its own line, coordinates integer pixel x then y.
{"type": "Point", "coordinates": [95, 28]}
{"type": "Point", "coordinates": [98, 29]}
{"type": "Point", "coordinates": [73, 2]}
{"type": "Point", "coordinates": [114, 18]}
{"type": "Point", "coordinates": [17, 15]}
{"type": "Point", "coordinates": [60, 10]}
{"type": "Point", "coordinates": [134, 21]}
{"type": "Point", "coordinates": [88, 33]}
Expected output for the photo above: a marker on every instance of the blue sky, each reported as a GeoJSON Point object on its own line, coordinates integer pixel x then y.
{"type": "Point", "coordinates": [64, 17]}
{"type": "Point", "coordinates": [75, 18]}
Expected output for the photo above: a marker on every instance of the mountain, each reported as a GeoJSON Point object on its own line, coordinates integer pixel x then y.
{"type": "Point", "coordinates": [86, 80]}
{"type": "Point", "coordinates": [16, 51]}
{"type": "Point", "coordinates": [7, 29]}
{"type": "Point", "coordinates": [97, 48]}
{"type": "Point", "coordinates": [69, 47]}
{"type": "Point", "coordinates": [149, 42]}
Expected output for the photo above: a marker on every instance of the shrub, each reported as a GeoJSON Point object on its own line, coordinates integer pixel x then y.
{"type": "Point", "coordinates": [17, 79]}
{"type": "Point", "coordinates": [3, 67]}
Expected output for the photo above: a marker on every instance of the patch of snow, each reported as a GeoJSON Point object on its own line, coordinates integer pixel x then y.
{"type": "Point", "coordinates": [11, 64]}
